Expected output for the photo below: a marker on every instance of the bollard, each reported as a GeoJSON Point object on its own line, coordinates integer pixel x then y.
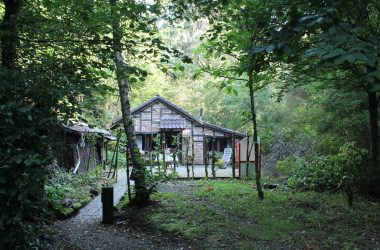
{"type": "Point", "coordinates": [107, 200]}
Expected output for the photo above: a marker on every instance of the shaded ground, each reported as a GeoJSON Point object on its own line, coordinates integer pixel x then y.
{"type": "Point", "coordinates": [226, 214]}
{"type": "Point", "coordinates": [85, 230]}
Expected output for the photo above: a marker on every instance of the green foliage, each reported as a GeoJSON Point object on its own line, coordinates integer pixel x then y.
{"type": "Point", "coordinates": [66, 192]}
{"type": "Point", "coordinates": [326, 172]}
{"type": "Point", "coordinates": [216, 214]}
{"type": "Point", "coordinates": [219, 163]}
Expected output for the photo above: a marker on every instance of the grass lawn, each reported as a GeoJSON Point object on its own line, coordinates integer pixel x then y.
{"type": "Point", "coordinates": [227, 214]}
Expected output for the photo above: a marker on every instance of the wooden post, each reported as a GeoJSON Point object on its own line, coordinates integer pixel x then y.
{"type": "Point", "coordinates": [233, 155]}
{"type": "Point", "coordinates": [151, 162]}
{"type": "Point", "coordinates": [106, 155]}
{"type": "Point", "coordinates": [163, 154]}
{"type": "Point", "coordinates": [192, 157]}
{"type": "Point", "coordinates": [213, 155]}
{"type": "Point", "coordinates": [107, 200]}
{"type": "Point", "coordinates": [205, 154]}
{"type": "Point", "coordinates": [187, 156]}
{"type": "Point", "coordinates": [247, 158]}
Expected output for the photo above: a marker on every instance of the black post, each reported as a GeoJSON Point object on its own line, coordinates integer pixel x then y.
{"type": "Point", "coordinates": [107, 200]}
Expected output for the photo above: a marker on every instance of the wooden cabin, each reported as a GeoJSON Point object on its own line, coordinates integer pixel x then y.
{"type": "Point", "coordinates": [82, 148]}
{"type": "Point", "coordinates": [160, 116]}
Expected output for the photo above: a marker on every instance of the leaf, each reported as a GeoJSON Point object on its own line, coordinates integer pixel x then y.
{"type": "Point", "coordinates": [181, 68]}
{"type": "Point", "coordinates": [357, 56]}
{"type": "Point", "coordinates": [23, 109]}
{"type": "Point", "coordinates": [18, 159]}
{"type": "Point", "coordinates": [335, 53]}
{"type": "Point", "coordinates": [256, 50]}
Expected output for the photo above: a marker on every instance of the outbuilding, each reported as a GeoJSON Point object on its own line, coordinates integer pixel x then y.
{"type": "Point", "coordinates": [82, 148]}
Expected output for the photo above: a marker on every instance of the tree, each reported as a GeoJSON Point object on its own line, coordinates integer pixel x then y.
{"type": "Point", "coordinates": [237, 28]}
{"type": "Point", "coordinates": [36, 98]}
{"type": "Point", "coordinates": [141, 190]}
{"type": "Point", "coordinates": [342, 34]}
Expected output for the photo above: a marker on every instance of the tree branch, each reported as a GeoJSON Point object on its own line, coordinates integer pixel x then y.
{"type": "Point", "coordinates": [204, 69]}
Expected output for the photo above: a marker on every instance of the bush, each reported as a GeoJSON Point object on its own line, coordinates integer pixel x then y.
{"type": "Point", "coordinates": [66, 192]}
{"type": "Point", "coordinates": [325, 172]}
{"type": "Point", "coordinates": [219, 163]}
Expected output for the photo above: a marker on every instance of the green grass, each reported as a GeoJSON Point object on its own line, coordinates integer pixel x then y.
{"type": "Point", "coordinates": [228, 213]}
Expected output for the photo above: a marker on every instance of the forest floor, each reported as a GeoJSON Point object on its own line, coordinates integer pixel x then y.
{"type": "Point", "coordinates": [86, 231]}
{"type": "Point", "coordinates": [226, 214]}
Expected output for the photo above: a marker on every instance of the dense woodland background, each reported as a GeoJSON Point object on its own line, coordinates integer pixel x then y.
{"type": "Point", "coordinates": [313, 67]}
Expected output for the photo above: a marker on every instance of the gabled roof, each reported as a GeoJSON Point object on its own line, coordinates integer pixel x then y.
{"type": "Point", "coordinates": [159, 99]}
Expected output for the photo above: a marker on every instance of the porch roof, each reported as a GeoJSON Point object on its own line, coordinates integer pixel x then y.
{"type": "Point", "coordinates": [172, 123]}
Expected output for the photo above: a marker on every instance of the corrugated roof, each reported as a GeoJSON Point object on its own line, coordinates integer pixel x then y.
{"type": "Point", "coordinates": [81, 127]}
{"type": "Point", "coordinates": [170, 122]}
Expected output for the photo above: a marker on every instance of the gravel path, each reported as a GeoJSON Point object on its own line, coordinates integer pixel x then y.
{"type": "Point", "coordinates": [85, 230]}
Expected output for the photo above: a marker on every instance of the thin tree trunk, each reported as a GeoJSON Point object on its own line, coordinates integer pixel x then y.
{"type": "Point", "coordinates": [373, 117]}
{"type": "Point", "coordinates": [116, 162]}
{"type": "Point", "coordinates": [233, 155]}
{"type": "Point", "coordinates": [9, 34]}
{"type": "Point", "coordinates": [248, 155]}
{"type": "Point", "coordinates": [213, 155]}
{"type": "Point", "coordinates": [114, 154]}
{"type": "Point", "coordinates": [128, 180]}
{"type": "Point", "coordinates": [151, 163]}
{"type": "Point", "coordinates": [254, 122]}
{"type": "Point", "coordinates": [141, 191]}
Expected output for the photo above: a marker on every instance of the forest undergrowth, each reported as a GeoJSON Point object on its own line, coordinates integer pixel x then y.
{"type": "Point", "coordinates": [224, 213]}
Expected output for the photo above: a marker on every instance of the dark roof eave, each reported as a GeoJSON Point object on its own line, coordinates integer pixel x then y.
{"type": "Point", "coordinates": [224, 130]}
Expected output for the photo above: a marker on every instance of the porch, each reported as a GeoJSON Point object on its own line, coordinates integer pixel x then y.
{"type": "Point", "coordinates": [199, 171]}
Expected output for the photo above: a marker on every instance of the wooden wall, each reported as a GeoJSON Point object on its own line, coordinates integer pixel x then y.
{"type": "Point", "coordinates": [148, 121]}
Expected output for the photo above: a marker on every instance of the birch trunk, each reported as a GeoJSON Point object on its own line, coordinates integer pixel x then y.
{"type": "Point", "coordinates": [138, 172]}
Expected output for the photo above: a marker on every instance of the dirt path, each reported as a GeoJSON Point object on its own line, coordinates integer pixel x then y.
{"type": "Point", "coordinates": [93, 210]}
{"type": "Point", "coordinates": [85, 230]}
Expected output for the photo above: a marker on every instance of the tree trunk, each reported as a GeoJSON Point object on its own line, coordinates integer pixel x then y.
{"type": "Point", "coordinates": [248, 157]}
{"type": "Point", "coordinates": [128, 181]}
{"type": "Point", "coordinates": [374, 157]}
{"type": "Point", "coordinates": [233, 155]}
{"type": "Point", "coordinates": [138, 172]}
{"type": "Point", "coordinates": [9, 34]}
{"type": "Point", "coordinates": [254, 122]}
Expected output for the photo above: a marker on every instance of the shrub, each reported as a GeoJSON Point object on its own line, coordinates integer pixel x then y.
{"type": "Point", "coordinates": [219, 163]}
{"type": "Point", "coordinates": [66, 192]}
{"type": "Point", "coordinates": [325, 172]}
